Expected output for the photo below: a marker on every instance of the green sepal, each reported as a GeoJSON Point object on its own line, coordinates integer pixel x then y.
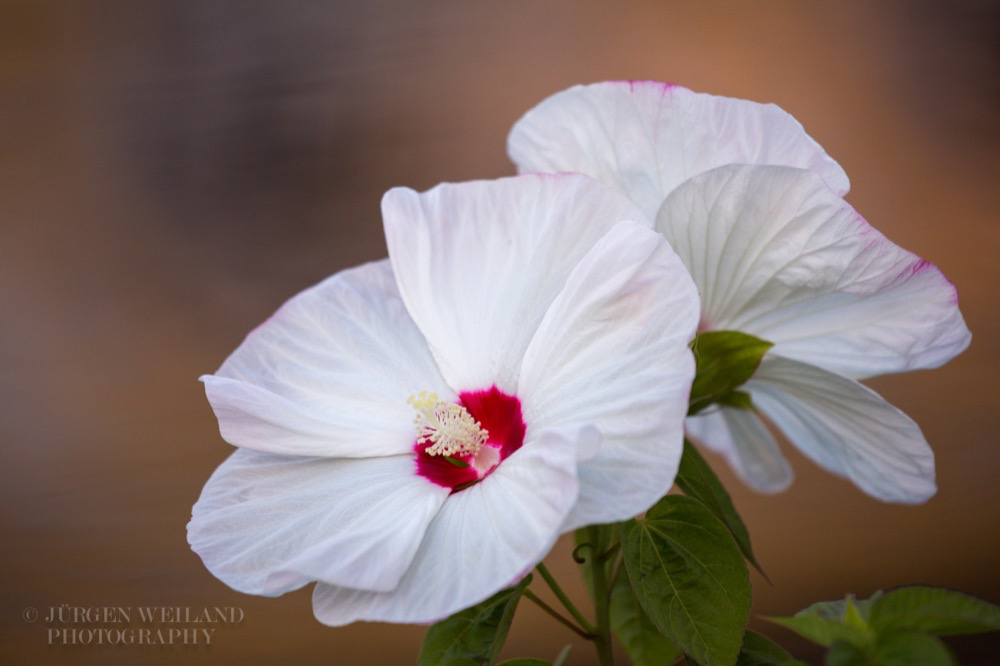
{"type": "Point", "coordinates": [689, 576]}
{"type": "Point", "coordinates": [696, 478]}
{"type": "Point", "coordinates": [472, 637]}
{"type": "Point", "coordinates": [725, 360]}
{"type": "Point", "coordinates": [736, 399]}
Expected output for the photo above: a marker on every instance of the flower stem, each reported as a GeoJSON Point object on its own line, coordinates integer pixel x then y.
{"type": "Point", "coordinates": [565, 600]}
{"type": "Point", "coordinates": [555, 614]}
{"type": "Point", "coordinates": [599, 578]}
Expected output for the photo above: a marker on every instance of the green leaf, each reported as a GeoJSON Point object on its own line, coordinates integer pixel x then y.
{"type": "Point", "coordinates": [820, 630]}
{"type": "Point", "coordinates": [697, 480]}
{"type": "Point", "coordinates": [472, 637]}
{"type": "Point", "coordinates": [826, 622]}
{"type": "Point", "coordinates": [725, 360]}
{"type": "Point", "coordinates": [563, 656]}
{"type": "Point", "coordinates": [911, 649]}
{"type": "Point", "coordinates": [690, 578]}
{"type": "Point", "coordinates": [838, 609]}
{"type": "Point", "coordinates": [759, 650]}
{"type": "Point", "coordinates": [842, 653]}
{"type": "Point", "coordinates": [643, 643]}
{"type": "Point", "coordinates": [893, 649]}
{"type": "Point", "coordinates": [933, 610]}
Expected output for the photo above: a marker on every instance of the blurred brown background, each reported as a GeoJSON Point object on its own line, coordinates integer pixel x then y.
{"type": "Point", "coordinates": [171, 172]}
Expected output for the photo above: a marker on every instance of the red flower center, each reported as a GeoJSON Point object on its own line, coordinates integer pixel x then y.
{"type": "Point", "coordinates": [495, 412]}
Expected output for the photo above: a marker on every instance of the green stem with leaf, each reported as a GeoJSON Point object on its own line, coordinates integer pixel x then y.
{"type": "Point", "coordinates": [602, 596]}
{"type": "Point", "coordinates": [564, 599]}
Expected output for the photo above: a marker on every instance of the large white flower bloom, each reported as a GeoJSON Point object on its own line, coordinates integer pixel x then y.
{"type": "Point", "coordinates": [752, 206]}
{"type": "Point", "coordinates": [416, 432]}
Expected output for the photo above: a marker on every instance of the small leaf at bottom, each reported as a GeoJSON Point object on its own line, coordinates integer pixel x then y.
{"type": "Point", "coordinates": [472, 637]}
{"type": "Point", "coordinates": [696, 478]}
{"type": "Point", "coordinates": [759, 650]}
{"type": "Point", "coordinates": [690, 578]}
{"type": "Point", "coordinates": [643, 642]}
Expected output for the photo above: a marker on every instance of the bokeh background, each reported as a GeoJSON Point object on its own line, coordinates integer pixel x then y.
{"type": "Point", "coordinates": [171, 172]}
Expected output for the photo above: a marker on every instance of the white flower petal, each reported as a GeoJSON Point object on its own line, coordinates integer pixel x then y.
{"type": "Point", "coordinates": [479, 263]}
{"type": "Point", "coordinates": [846, 428]}
{"type": "Point", "coordinates": [613, 351]}
{"type": "Point", "coordinates": [778, 255]}
{"type": "Point", "coordinates": [329, 373]}
{"type": "Point", "coordinates": [646, 138]}
{"type": "Point", "coordinates": [745, 442]}
{"type": "Point", "coordinates": [268, 524]}
{"type": "Point", "coordinates": [485, 538]}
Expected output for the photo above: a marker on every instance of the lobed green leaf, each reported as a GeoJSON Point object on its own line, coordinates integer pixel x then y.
{"type": "Point", "coordinates": [843, 653]}
{"type": "Point", "coordinates": [912, 649]}
{"type": "Point", "coordinates": [642, 641]}
{"type": "Point", "coordinates": [827, 622]}
{"type": "Point", "coordinates": [896, 628]}
{"type": "Point", "coordinates": [933, 610]}
{"type": "Point", "coordinates": [893, 649]}
{"type": "Point", "coordinates": [696, 478]}
{"type": "Point", "coordinates": [689, 576]}
{"type": "Point", "coordinates": [472, 637]}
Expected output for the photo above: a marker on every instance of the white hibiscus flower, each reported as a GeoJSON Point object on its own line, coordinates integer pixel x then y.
{"type": "Point", "coordinates": [416, 432]}
{"type": "Point", "coordinates": [751, 204]}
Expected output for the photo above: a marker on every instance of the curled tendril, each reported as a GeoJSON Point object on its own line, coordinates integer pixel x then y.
{"type": "Point", "coordinates": [577, 557]}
